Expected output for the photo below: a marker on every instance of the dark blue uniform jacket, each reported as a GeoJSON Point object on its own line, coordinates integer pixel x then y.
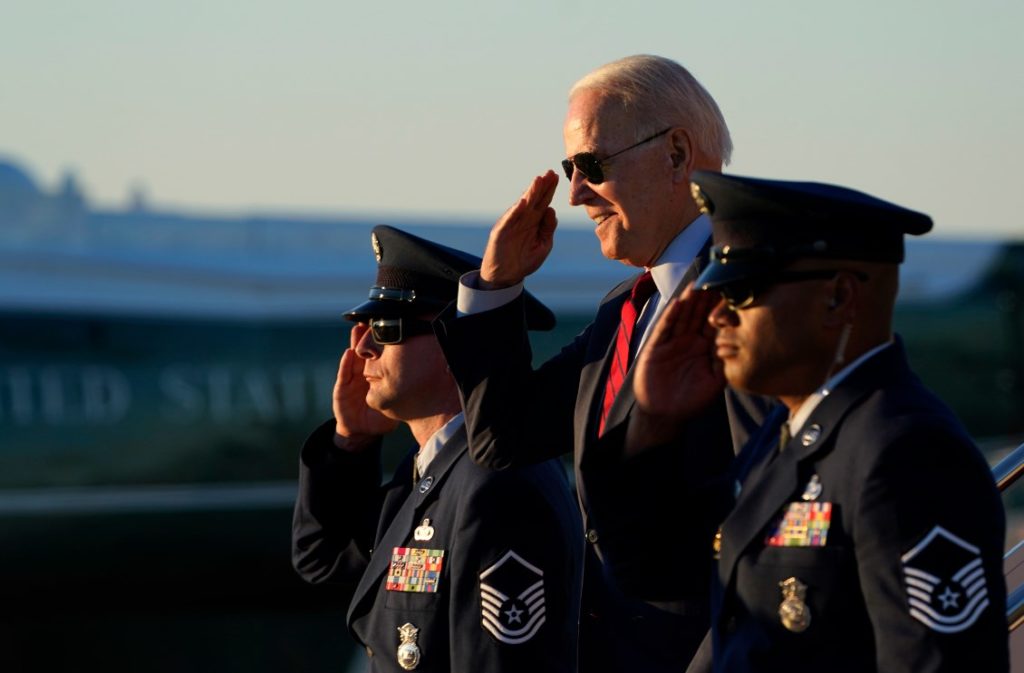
{"type": "Point", "coordinates": [502, 563]}
{"type": "Point", "coordinates": [908, 573]}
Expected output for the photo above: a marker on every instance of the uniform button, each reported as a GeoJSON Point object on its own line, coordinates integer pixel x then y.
{"type": "Point", "coordinates": [369, 651]}
{"type": "Point", "coordinates": [592, 536]}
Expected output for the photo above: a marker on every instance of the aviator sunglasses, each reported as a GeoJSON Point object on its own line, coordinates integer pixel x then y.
{"type": "Point", "coordinates": [591, 167]}
{"type": "Point", "coordinates": [740, 294]}
{"type": "Point", "coordinates": [391, 331]}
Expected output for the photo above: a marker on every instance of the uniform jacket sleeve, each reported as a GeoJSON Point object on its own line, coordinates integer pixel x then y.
{"type": "Point", "coordinates": [931, 478]}
{"type": "Point", "coordinates": [336, 511]}
{"type": "Point", "coordinates": [515, 549]}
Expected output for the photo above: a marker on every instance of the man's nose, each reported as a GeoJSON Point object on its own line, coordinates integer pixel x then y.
{"type": "Point", "coordinates": [580, 189]}
{"type": "Point", "coordinates": [722, 315]}
{"type": "Point", "coordinates": [366, 347]}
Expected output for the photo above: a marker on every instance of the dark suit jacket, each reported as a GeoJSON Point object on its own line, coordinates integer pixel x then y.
{"type": "Point", "coordinates": [913, 503]}
{"type": "Point", "coordinates": [649, 519]}
{"type": "Point", "coordinates": [507, 596]}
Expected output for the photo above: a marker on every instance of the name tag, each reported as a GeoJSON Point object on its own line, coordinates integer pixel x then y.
{"type": "Point", "coordinates": [415, 570]}
{"type": "Point", "coordinates": [801, 524]}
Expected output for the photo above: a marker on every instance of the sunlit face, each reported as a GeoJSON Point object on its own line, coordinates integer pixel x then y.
{"type": "Point", "coordinates": [775, 346]}
{"type": "Point", "coordinates": [408, 380]}
{"type": "Point", "coordinates": [637, 208]}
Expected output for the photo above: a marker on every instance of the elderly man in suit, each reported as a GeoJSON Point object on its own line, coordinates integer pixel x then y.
{"type": "Point", "coordinates": [635, 132]}
{"type": "Point", "coordinates": [867, 533]}
{"type": "Point", "coordinates": [455, 567]}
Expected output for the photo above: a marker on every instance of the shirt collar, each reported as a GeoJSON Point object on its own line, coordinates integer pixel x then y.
{"type": "Point", "coordinates": [433, 446]}
{"type": "Point", "coordinates": [797, 420]}
{"type": "Point", "coordinates": [670, 268]}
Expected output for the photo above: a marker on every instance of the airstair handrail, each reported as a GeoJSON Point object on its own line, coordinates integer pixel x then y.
{"type": "Point", "coordinates": [1006, 472]}
{"type": "Point", "coordinates": [1009, 469]}
{"type": "Point", "coordinates": [1015, 608]}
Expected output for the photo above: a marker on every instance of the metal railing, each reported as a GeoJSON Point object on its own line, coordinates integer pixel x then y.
{"type": "Point", "coordinates": [1006, 472]}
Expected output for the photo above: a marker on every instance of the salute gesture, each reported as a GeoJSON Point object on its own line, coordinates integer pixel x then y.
{"type": "Point", "coordinates": [676, 372]}
{"type": "Point", "coordinates": [521, 239]}
{"type": "Point", "coordinates": [357, 425]}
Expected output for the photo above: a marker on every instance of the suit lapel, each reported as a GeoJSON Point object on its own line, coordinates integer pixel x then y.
{"type": "Point", "coordinates": [406, 519]}
{"type": "Point", "coordinates": [397, 491]}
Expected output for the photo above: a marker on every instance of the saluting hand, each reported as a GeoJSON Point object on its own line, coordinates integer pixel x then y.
{"type": "Point", "coordinates": [521, 239]}
{"type": "Point", "coordinates": [677, 374]}
{"type": "Point", "coordinates": [356, 423]}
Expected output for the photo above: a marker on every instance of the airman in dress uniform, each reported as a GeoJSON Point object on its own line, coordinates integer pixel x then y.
{"type": "Point", "coordinates": [867, 533]}
{"type": "Point", "coordinates": [455, 567]}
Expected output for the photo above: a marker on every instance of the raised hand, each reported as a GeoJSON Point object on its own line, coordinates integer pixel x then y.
{"type": "Point", "coordinates": [677, 374]}
{"type": "Point", "coordinates": [356, 423]}
{"type": "Point", "coordinates": [521, 239]}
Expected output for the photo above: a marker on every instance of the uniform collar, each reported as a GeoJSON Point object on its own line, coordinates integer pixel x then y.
{"type": "Point", "coordinates": [797, 420]}
{"type": "Point", "coordinates": [430, 448]}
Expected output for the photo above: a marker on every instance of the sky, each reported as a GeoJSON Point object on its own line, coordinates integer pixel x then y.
{"type": "Point", "coordinates": [449, 108]}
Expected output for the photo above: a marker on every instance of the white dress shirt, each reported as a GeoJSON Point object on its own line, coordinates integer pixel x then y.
{"type": "Point", "coordinates": [432, 446]}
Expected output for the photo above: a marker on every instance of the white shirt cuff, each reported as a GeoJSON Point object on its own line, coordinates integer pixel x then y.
{"type": "Point", "coordinates": [472, 300]}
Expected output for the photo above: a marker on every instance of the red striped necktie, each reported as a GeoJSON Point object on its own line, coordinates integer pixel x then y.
{"type": "Point", "coordinates": [622, 360]}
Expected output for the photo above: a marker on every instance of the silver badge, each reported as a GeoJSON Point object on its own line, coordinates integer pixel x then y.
{"type": "Point", "coordinates": [793, 610]}
{"type": "Point", "coordinates": [408, 650]}
{"type": "Point", "coordinates": [425, 485]}
{"type": "Point", "coordinates": [810, 435]}
{"type": "Point", "coordinates": [423, 532]}
{"type": "Point", "coordinates": [378, 252]}
{"type": "Point", "coordinates": [813, 489]}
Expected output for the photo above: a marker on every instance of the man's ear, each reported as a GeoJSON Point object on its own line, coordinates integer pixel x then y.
{"type": "Point", "coordinates": [682, 155]}
{"type": "Point", "coordinates": [841, 303]}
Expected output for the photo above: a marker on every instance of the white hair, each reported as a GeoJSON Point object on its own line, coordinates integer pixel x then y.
{"type": "Point", "coordinates": [661, 94]}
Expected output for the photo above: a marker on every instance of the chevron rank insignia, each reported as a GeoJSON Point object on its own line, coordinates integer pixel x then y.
{"type": "Point", "coordinates": [945, 582]}
{"type": "Point", "coordinates": [512, 599]}
{"type": "Point", "coordinates": [415, 570]}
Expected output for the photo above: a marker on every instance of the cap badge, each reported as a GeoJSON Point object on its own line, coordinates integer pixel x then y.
{"type": "Point", "coordinates": [408, 650]}
{"type": "Point", "coordinates": [378, 252]}
{"type": "Point", "coordinates": [793, 611]}
{"type": "Point", "coordinates": [703, 202]}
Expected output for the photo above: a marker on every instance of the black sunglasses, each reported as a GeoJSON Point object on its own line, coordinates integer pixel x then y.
{"type": "Point", "coordinates": [741, 293]}
{"type": "Point", "coordinates": [390, 331]}
{"type": "Point", "coordinates": [592, 168]}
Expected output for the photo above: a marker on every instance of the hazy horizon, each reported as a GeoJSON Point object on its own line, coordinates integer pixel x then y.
{"type": "Point", "coordinates": [448, 110]}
